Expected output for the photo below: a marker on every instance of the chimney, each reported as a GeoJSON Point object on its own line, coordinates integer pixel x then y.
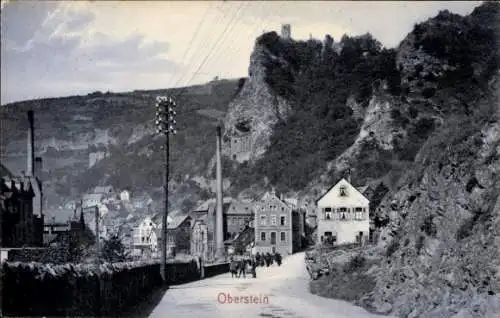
{"type": "Point", "coordinates": [348, 176]}
{"type": "Point", "coordinates": [219, 239]}
{"type": "Point", "coordinates": [31, 145]}
{"type": "Point", "coordinates": [38, 167]}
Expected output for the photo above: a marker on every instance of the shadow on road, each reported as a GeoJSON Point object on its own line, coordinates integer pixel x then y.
{"type": "Point", "coordinates": [145, 307]}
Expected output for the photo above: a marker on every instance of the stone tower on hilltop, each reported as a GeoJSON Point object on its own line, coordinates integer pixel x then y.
{"type": "Point", "coordinates": [286, 32]}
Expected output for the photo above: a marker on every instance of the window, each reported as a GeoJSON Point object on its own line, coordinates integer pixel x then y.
{"type": "Point", "coordinates": [343, 191]}
{"type": "Point", "coordinates": [262, 236]}
{"type": "Point", "coordinates": [328, 213]}
{"type": "Point", "coordinates": [283, 236]}
{"type": "Point", "coordinates": [283, 220]}
{"type": "Point", "coordinates": [273, 220]}
{"type": "Point", "coordinates": [343, 213]}
{"type": "Point", "coordinates": [358, 213]}
{"type": "Point", "coordinates": [263, 220]}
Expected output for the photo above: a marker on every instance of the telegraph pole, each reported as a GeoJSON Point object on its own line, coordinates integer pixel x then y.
{"type": "Point", "coordinates": [97, 234]}
{"type": "Point", "coordinates": [165, 124]}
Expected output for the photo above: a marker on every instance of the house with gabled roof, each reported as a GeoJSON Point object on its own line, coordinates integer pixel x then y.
{"type": "Point", "coordinates": [238, 216]}
{"type": "Point", "coordinates": [342, 215]}
{"type": "Point", "coordinates": [279, 225]}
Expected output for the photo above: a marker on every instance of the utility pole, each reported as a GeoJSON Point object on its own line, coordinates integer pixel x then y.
{"type": "Point", "coordinates": [97, 234]}
{"type": "Point", "coordinates": [165, 124]}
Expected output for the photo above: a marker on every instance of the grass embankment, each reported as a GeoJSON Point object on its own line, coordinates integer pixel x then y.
{"type": "Point", "coordinates": [351, 277]}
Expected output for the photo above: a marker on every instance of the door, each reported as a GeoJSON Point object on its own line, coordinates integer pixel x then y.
{"type": "Point", "coordinates": [273, 238]}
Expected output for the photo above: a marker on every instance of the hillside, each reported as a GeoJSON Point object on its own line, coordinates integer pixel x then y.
{"type": "Point", "coordinates": [70, 130]}
{"type": "Point", "coordinates": [420, 124]}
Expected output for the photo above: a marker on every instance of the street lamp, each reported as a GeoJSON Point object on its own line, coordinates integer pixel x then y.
{"type": "Point", "coordinates": [165, 124]}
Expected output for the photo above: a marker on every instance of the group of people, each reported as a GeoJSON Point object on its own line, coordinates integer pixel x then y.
{"type": "Point", "coordinates": [268, 259]}
{"type": "Point", "coordinates": [239, 267]}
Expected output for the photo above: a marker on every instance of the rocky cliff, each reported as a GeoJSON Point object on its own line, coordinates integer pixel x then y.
{"type": "Point", "coordinates": [253, 113]}
{"type": "Point", "coordinates": [443, 239]}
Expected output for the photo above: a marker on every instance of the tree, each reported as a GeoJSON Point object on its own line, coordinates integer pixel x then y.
{"type": "Point", "coordinates": [113, 250]}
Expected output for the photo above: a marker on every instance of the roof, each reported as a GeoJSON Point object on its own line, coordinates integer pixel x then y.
{"type": "Point", "coordinates": [18, 182]}
{"type": "Point", "coordinates": [103, 189]}
{"type": "Point", "coordinates": [205, 205]}
{"type": "Point", "coordinates": [363, 189]}
{"type": "Point", "coordinates": [272, 194]}
{"type": "Point", "coordinates": [176, 221]}
{"type": "Point", "coordinates": [239, 207]}
{"type": "Point", "coordinates": [341, 180]}
{"type": "Point", "coordinates": [62, 216]}
{"type": "Point", "coordinates": [92, 196]}
{"type": "Point", "coordinates": [202, 218]}
{"type": "Point", "coordinates": [4, 172]}
{"type": "Point", "coordinates": [49, 238]}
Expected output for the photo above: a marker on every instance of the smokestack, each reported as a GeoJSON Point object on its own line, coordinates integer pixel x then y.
{"type": "Point", "coordinates": [38, 167]}
{"type": "Point", "coordinates": [31, 145]}
{"type": "Point", "coordinates": [219, 239]}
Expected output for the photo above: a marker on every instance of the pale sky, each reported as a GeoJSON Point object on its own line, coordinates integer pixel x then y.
{"type": "Point", "coordinates": [62, 48]}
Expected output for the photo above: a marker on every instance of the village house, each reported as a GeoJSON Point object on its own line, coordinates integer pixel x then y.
{"type": "Point", "coordinates": [178, 234]}
{"type": "Point", "coordinates": [238, 216]}
{"type": "Point", "coordinates": [274, 231]}
{"type": "Point", "coordinates": [343, 215]}
{"type": "Point", "coordinates": [141, 202]}
{"type": "Point", "coordinates": [200, 239]}
{"type": "Point", "coordinates": [145, 239]}
{"type": "Point", "coordinates": [92, 199]}
{"type": "Point", "coordinates": [105, 190]}
{"type": "Point", "coordinates": [203, 221]}
{"type": "Point", "coordinates": [125, 196]}
{"type": "Point", "coordinates": [19, 225]}
{"type": "Point", "coordinates": [21, 200]}
{"type": "Point", "coordinates": [68, 234]}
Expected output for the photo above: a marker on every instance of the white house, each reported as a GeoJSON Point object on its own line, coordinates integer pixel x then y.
{"type": "Point", "coordinates": [92, 199]}
{"type": "Point", "coordinates": [125, 195]}
{"type": "Point", "coordinates": [103, 209]}
{"type": "Point", "coordinates": [343, 215]}
{"type": "Point", "coordinates": [144, 240]}
{"type": "Point", "coordinates": [107, 190]}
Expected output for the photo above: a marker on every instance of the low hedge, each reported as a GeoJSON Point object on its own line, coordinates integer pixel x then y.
{"type": "Point", "coordinates": [38, 289]}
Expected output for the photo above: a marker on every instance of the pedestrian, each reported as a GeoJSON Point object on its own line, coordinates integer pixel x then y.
{"type": "Point", "coordinates": [257, 258]}
{"type": "Point", "coordinates": [242, 268]}
{"type": "Point", "coordinates": [277, 257]}
{"type": "Point", "coordinates": [268, 259]}
{"type": "Point", "coordinates": [233, 268]}
{"type": "Point", "coordinates": [254, 268]}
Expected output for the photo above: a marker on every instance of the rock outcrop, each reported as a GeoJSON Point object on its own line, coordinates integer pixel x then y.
{"type": "Point", "coordinates": [254, 111]}
{"type": "Point", "coordinates": [443, 237]}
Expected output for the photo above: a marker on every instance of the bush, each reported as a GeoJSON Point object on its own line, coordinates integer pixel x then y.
{"type": "Point", "coordinates": [354, 264]}
{"type": "Point", "coordinates": [428, 92]}
{"type": "Point", "coordinates": [428, 226]}
{"type": "Point", "coordinates": [392, 248]}
{"type": "Point", "coordinates": [419, 243]}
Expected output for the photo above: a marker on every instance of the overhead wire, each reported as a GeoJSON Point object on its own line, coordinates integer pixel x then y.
{"type": "Point", "coordinates": [204, 43]}
{"type": "Point", "coordinates": [260, 22]}
{"type": "Point", "coordinates": [200, 23]}
{"type": "Point", "coordinates": [229, 36]}
{"type": "Point", "coordinates": [210, 52]}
